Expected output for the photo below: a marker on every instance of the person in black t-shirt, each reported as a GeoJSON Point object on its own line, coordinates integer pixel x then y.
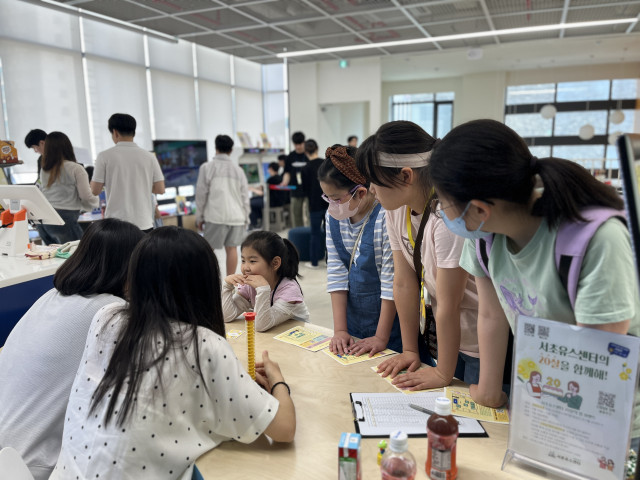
{"type": "Point", "coordinates": [293, 178]}
{"type": "Point", "coordinates": [317, 206]}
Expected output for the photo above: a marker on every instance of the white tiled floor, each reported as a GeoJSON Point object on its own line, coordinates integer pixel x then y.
{"type": "Point", "coordinates": [314, 289]}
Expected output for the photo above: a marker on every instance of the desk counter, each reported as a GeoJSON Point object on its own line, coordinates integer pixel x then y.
{"type": "Point", "coordinates": [320, 389]}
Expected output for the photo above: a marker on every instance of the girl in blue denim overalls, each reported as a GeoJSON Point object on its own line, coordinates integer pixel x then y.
{"type": "Point", "coordinates": [360, 263]}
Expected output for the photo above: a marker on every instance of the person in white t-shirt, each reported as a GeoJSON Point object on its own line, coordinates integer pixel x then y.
{"type": "Point", "coordinates": [39, 360]}
{"type": "Point", "coordinates": [129, 175]}
{"type": "Point", "coordinates": [158, 385]}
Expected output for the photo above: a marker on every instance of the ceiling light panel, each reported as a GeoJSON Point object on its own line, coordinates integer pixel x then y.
{"type": "Point", "coordinates": [219, 19]}
{"type": "Point", "coordinates": [119, 9]}
{"type": "Point", "coordinates": [177, 6]}
{"type": "Point", "coordinates": [258, 35]}
{"type": "Point", "coordinates": [335, 7]}
{"type": "Point", "coordinates": [280, 10]}
{"type": "Point", "coordinates": [170, 26]}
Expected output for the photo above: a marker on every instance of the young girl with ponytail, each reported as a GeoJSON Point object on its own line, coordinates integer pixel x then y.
{"type": "Point", "coordinates": [267, 284]}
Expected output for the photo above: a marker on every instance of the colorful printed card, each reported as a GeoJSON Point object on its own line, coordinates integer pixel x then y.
{"type": "Point", "coordinates": [463, 405]}
{"type": "Point", "coordinates": [346, 359]}
{"type": "Point", "coordinates": [572, 398]}
{"type": "Point", "coordinates": [234, 333]}
{"type": "Point", "coordinates": [389, 380]}
{"type": "Point", "coordinates": [305, 338]}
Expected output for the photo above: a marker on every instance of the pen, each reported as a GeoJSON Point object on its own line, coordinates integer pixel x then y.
{"type": "Point", "coordinates": [421, 409]}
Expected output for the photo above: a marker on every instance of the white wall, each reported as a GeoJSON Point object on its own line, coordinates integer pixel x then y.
{"type": "Point", "coordinates": [479, 85]}
{"type": "Point", "coordinates": [338, 121]}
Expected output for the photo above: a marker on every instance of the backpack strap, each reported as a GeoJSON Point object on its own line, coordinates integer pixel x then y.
{"type": "Point", "coordinates": [483, 249]}
{"type": "Point", "coordinates": [571, 245]}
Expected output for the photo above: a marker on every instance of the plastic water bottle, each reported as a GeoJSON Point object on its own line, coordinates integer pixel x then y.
{"type": "Point", "coordinates": [442, 432]}
{"type": "Point", "coordinates": [397, 462]}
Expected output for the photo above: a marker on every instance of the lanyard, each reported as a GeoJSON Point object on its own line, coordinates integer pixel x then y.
{"type": "Point", "coordinates": [357, 243]}
{"type": "Point", "coordinates": [423, 308]}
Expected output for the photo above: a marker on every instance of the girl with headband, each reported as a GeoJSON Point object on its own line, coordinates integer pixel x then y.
{"type": "Point", "coordinates": [432, 293]}
{"type": "Point", "coordinates": [486, 179]}
{"type": "Point", "coordinates": [359, 264]}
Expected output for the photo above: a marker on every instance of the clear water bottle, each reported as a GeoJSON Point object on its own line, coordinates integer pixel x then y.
{"type": "Point", "coordinates": [397, 462]}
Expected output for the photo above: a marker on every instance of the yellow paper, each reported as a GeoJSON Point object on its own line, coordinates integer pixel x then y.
{"type": "Point", "coordinates": [464, 406]}
{"type": "Point", "coordinates": [389, 380]}
{"type": "Point", "coordinates": [347, 359]}
{"type": "Point", "coordinates": [233, 333]}
{"type": "Point", "coordinates": [305, 338]}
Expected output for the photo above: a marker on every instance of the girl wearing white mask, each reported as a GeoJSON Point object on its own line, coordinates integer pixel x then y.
{"type": "Point", "coordinates": [360, 264]}
{"type": "Point", "coordinates": [433, 294]}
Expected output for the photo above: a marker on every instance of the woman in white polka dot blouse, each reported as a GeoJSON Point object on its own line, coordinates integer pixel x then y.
{"type": "Point", "coordinates": [158, 384]}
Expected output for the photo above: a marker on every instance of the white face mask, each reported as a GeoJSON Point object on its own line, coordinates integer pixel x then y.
{"type": "Point", "coordinates": [341, 211]}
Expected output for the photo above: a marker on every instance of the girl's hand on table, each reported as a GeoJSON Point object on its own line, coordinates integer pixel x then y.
{"type": "Point", "coordinates": [406, 360]}
{"type": "Point", "coordinates": [372, 345]}
{"type": "Point", "coordinates": [422, 379]}
{"type": "Point", "coordinates": [341, 342]}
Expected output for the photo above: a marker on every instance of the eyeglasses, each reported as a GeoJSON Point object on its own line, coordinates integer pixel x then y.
{"type": "Point", "coordinates": [437, 209]}
{"type": "Point", "coordinates": [351, 192]}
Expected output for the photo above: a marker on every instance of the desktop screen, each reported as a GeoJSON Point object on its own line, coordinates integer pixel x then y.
{"type": "Point", "coordinates": [180, 160]}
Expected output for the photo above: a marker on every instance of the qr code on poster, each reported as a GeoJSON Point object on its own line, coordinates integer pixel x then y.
{"type": "Point", "coordinates": [529, 329]}
{"type": "Point", "coordinates": [606, 400]}
{"type": "Point", "coordinates": [543, 332]}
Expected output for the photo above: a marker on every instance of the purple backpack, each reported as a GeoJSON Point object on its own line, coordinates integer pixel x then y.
{"type": "Point", "coordinates": [571, 245]}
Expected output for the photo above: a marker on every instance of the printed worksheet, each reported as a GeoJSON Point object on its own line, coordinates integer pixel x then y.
{"type": "Point", "coordinates": [463, 405]}
{"type": "Point", "coordinates": [234, 333]}
{"type": "Point", "coordinates": [305, 338]}
{"type": "Point", "coordinates": [389, 380]}
{"type": "Point", "coordinates": [346, 359]}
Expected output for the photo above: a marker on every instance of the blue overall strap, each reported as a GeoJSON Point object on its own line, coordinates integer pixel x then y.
{"type": "Point", "coordinates": [572, 241]}
{"type": "Point", "coordinates": [336, 236]}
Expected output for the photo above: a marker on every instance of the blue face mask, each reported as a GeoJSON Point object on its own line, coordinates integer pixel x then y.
{"type": "Point", "coordinates": [458, 226]}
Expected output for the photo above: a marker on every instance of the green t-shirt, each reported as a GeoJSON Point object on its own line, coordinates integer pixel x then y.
{"type": "Point", "coordinates": [528, 282]}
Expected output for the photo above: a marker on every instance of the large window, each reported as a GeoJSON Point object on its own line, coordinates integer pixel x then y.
{"type": "Point", "coordinates": [433, 112]}
{"type": "Point", "coordinates": [588, 117]}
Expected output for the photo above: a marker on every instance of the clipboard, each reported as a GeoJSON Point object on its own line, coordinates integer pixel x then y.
{"type": "Point", "coordinates": [379, 414]}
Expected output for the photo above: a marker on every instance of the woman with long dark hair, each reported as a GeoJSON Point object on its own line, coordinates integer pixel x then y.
{"type": "Point", "coordinates": [39, 360]}
{"type": "Point", "coordinates": [486, 180]}
{"type": "Point", "coordinates": [159, 385]}
{"type": "Point", "coordinates": [65, 183]}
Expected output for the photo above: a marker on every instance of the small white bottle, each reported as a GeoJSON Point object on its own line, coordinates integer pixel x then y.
{"type": "Point", "coordinates": [397, 462]}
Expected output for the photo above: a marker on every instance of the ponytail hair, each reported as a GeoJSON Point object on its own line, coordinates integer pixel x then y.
{"type": "Point", "coordinates": [485, 159]}
{"type": "Point", "coordinates": [401, 138]}
{"type": "Point", "coordinates": [270, 245]}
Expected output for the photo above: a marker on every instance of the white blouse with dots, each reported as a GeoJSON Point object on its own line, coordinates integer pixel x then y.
{"type": "Point", "coordinates": [175, 420]}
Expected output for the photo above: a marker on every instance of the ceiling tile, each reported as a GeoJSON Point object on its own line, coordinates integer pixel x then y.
{"type": "Point", "coordinates": [214, 41]}
{"type": "Point", "coordinates": [170, 25]}
{"type": "Point", "coordinates": [334, 7]}
{"type": "Point", "coordinates": [280, 10]}
{"type": "Point", "coordinates": [119, 9]}
{"type": "Point", "coordinates": [220, 19]}
{"type": "Point", "coordinates": [178, 6]}
{"type": "Point", "coordinates": [313, 28]}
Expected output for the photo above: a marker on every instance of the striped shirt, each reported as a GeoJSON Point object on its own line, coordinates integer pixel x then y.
{"type": "Point", "coordinates": [337, 274]}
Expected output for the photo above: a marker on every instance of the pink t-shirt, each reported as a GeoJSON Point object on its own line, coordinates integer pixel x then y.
{"type": "Point", "coordinates": [440, 249]}
{"type": "Point", "coordinates": [288, 291]}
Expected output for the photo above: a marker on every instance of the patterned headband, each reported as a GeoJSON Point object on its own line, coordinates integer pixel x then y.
{"type": "Point", "coordinates": [400, 160]}
{"type": "Point", "coordinates": [345, 164]}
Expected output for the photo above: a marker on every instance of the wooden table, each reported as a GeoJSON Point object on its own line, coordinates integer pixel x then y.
{"type": "Point", "coordinates": [320, 389]}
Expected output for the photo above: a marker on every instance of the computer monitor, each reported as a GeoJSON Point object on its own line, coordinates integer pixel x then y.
{"type": "Point", "coordinates": [629, 151]}
{"type": "Point", "coordinates": [180, 160]}
{"type": "Point", "coordinates": [32, 199]}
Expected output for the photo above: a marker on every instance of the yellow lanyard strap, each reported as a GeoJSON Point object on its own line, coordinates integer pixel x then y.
{"type": "Point", "coordinates": [423, 308]}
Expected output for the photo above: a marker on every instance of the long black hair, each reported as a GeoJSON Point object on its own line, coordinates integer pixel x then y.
{"type": "Point", "coordinates": [270, 245]}
{"type": "Point", "coordinates": [173, 276]}
{"type": "Point", "coordinates": [399, 137]}
{"type": "Point", "coordinates": [101, 262]}
{"type": "Point", "coordinates": [485, 159]}
{"type": "Point", "coordinates": [328, 173]}
{"type": "Point", "coordinates": [57, 149]}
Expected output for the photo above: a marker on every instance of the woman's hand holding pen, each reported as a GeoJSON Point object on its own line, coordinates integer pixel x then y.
{"type": "Point", "coordinates": [394, 365]}
{"type": "Point", "coordinates": [372, 345]}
